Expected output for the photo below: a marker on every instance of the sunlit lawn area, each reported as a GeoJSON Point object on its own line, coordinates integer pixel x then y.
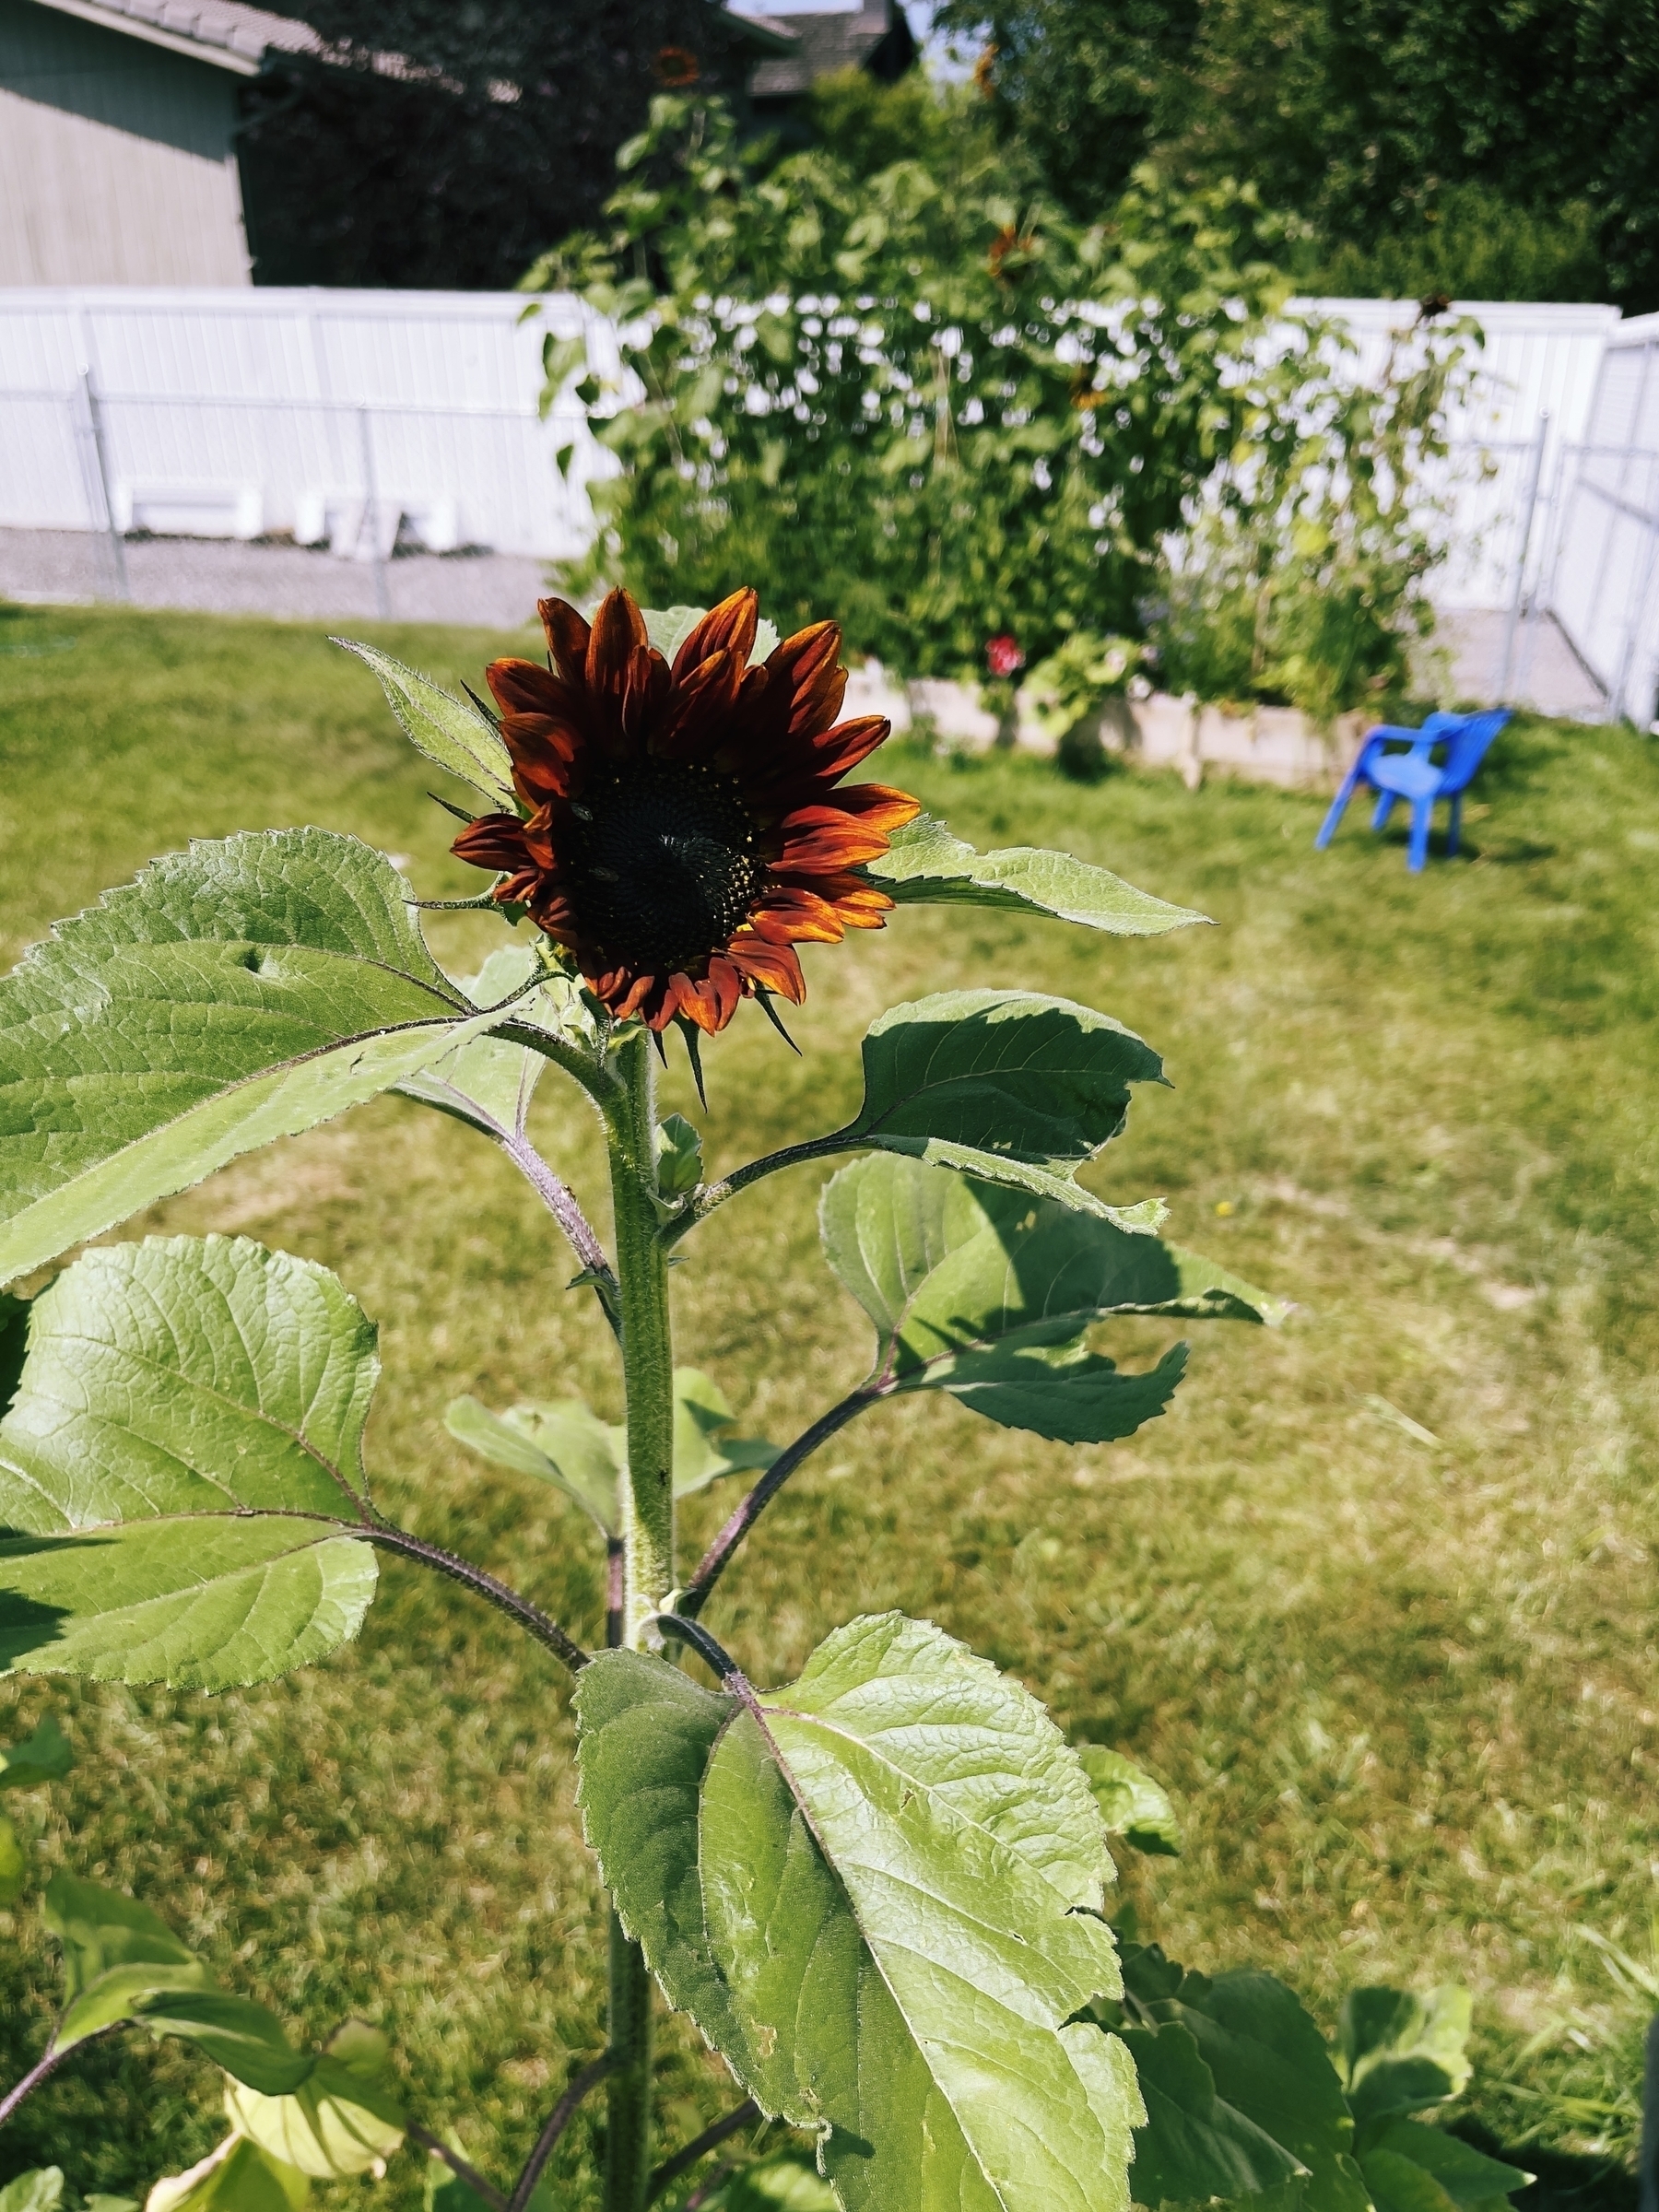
{"type": "Point", "coordinates": [1377, 1599]}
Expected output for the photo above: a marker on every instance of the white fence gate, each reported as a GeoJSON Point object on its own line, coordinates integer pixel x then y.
{"type": "Point", "coordinates": [340, 418]}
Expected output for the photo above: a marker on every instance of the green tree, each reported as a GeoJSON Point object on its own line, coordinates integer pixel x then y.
{"type": "Point", "coordinates": [495, 130]}
{"type": "Point", "coordinates": [1365, 118]}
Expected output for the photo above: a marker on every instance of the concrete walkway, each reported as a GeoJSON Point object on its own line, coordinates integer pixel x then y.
{"type": "Point", "coordinates": [489, 591]}
{"type": "Point", "coordinates": [499, 591]}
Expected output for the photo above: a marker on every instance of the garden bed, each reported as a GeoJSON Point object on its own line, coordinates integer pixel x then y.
{"type": "Point", "coordinates": [1260, 744]}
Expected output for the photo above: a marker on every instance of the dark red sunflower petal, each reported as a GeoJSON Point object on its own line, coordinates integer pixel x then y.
{"type": "Point", "coordinates": [567, 635]}
{"type": "Point", "coordinates": [859, 904]}
{"type": "Point", "coordinates": [728, 628]}
{"type": "Point", "coordinates": [494, 841]}
{"type": "Point", "coordinates": [805, 775]}
{"type": "Point", "coordinates": [790, 914]}
{"type": "Point", "coordinates": [876, 805]}
{"type": "Point", "coordinates": [619, 668]}
{"type": "Point", "coordinates": [542, 753]}
{"type": "Point", "coordinates": [699, 709]}
{"type": "Point", "coordinates": [838, 843]}
{"type": "Point", "coordinates": [774, 966]}
{"type": "Point", "coordinates": [811, 663]}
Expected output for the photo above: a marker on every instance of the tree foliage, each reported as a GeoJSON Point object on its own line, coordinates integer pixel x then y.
{"type": "Point", "coordinates": [920, 392]}
{"type": "Point", "coordinates": [1409, 137]}
{"type": "Point", "coordinates": [494, 130]}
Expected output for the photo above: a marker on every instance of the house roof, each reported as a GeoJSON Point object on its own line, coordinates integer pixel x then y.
{"type": "Point", "coordinates": [233, 36]}
{"type": "Point", "coordinates": [827, 42]}
{"type": "Point", "coordinates": [222, 32]}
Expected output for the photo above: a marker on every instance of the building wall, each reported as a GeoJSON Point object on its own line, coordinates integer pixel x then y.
{"type": "Point", "coordinates": [117, 163]}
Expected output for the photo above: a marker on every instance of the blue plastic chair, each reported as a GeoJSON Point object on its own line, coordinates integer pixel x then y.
{"type": "Point", "coordinates": [1414, 775]}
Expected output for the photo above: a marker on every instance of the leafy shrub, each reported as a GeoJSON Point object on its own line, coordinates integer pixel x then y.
{"type": "Point", "coordinates": [1303, 578]}
{"type": "Point", "coordinates": [914, 392]}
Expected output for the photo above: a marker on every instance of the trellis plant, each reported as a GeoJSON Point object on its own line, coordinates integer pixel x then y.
{"type": "Point", "coordinates": [879, 1890]}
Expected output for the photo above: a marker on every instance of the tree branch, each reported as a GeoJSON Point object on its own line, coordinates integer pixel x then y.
{"type": "Point", "coordinates": [683, 2160]}
{"type": "Point", "coordinates": [544, 1629]}
{"type": "Point", "coordinates": [713, 1564]}
{"type": "Point", "coordinates": [457, 2165]}
{"type": "Point", "coordinates": [558, 2120]}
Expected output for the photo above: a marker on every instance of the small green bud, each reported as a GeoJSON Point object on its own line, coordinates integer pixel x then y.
{"type": "Point", "coordinates": [678, 1157]}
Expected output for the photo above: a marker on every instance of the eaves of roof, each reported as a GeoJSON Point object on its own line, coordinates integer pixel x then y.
{"type": "Point", "coordinates": [221, 33]}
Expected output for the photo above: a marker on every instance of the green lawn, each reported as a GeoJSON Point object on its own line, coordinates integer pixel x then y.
{"type": "Point", "coordinates": [1377, 1599]}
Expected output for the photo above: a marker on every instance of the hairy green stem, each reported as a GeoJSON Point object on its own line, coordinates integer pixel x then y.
{"type": "Point", "coordinates": [713, 1564]}
{"type": "Point", "coordinates": [710, 2139]}
{"type": "Point", "coordinates": [457, 2165]}
{"type": "Point", "coordinates": [792, 1156]}
{"type": "Point", "coordinates": [647, 1344]}
{"type": "Point", "coordinates": [647, 1562]}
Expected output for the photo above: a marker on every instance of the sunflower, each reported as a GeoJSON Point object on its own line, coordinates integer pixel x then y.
{"type": "Point", "coordinates": [682, 832]}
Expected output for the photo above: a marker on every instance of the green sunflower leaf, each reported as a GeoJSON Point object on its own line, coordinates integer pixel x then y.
{"type": "Point", "coordinates": [117, 1955]}
{"type": "Point", "coordinates": [878, 1893]}
{"type": "Point", "coordinates": [42, 2191]}
{"type": "Point", "coordinates": [489, 1081]}
{"type": "Point", "coordinates": [183, 1465]}
{"type": "Point", "coordinates": [669, 627]}
{"type": "Point", "coordinates": [785, 2182]}
{"type": "Point", "coordinates": [926, 865]}
{"type": "Point", "coordinates": [1132, 1804]}
{"type": "Point", "coordinates": [340, 2120]}
{"type": "Point", "coordinates": [1009, 1085]}
{"type": "Point", "coordinates": [450, 731]}
{"type": "Point", "coordinates": [14, 1863]}
{"type": "Point", "coordinates": [702, 1449]}
{"type": "Point", "coordinates": [43, 1756]}
{"type": "Point", "coordinates": [233, 994]}
{"type": "Point", "coordinates": [561, 1441]}
{"type": "Point", "coordinates": [122, 1962]}
{"type": "Point", "coordinates": [987, 1293]}
{"type": "Point", "coordinates": [1399, 2052]}
{"type": "Point", "coordinates": [1407, 2166]}
{"type": "Point", "coordinates": [558, 1440]}
{"type": "Point", "coordinates": [236, 2177]}
{"type": "Point", "coordinates": [1195, 2145]}
{"type": "Point", "coordinates": [1267, 2064]}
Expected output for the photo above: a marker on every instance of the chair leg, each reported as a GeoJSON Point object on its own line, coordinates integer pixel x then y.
{"type": "Point", "coordinates": [1422, 816]}
{"type": "Point", "coordinates": [1454, 827]}
{"type": "Point", "coordinates": [1327, 829]}
{"type": "Point", "coordinates": [1385, 807]}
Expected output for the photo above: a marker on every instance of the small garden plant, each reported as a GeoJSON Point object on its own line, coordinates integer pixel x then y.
{"type": "Point", "coordinates": [879, 1890]}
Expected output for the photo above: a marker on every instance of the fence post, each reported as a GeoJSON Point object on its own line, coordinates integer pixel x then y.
{"type": "Point", "coordinates": [1636, 608]}
{"type": "Point", "coordinates": [101, 459]}
{"type": "Point", "coordinates": [1513, 616]}
{"type": "Point", "coordinates": [383, 593]}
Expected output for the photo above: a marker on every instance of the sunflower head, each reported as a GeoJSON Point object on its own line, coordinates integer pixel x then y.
{"type": "Point", "coordinates": [682, 829]}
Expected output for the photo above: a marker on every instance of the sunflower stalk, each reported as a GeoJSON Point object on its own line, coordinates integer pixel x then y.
{"type": "Point", "coordinates": [646, 1559]}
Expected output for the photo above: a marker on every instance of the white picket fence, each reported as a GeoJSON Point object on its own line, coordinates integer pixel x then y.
{"type": "Point", "coordinates": [343, 417]}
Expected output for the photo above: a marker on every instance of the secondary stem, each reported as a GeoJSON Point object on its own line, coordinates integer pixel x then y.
{"type": "Point", "coordinates": [714, 1563]}
{"type": "Point", "coordinates": [647, 1562]}
{"type": "Point", "coordinates": [457, 2165]}
{"type": "Point", "coordinates": [558, 2121]}
{"type": "Point", "coordinates": [31, 2080]}
{"type": "Point", "coordinates": [544, 1629]}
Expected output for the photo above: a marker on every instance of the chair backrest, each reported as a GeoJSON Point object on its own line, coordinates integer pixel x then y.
{"type": "Point", "coordinates": [1467, 746]}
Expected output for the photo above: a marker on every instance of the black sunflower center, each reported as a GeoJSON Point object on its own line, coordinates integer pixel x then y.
{"type": "Point", "coordinates": [665, 865]}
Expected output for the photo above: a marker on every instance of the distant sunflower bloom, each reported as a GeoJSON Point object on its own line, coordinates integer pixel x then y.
{"type": "Point", "coordinates": [683, 831]}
